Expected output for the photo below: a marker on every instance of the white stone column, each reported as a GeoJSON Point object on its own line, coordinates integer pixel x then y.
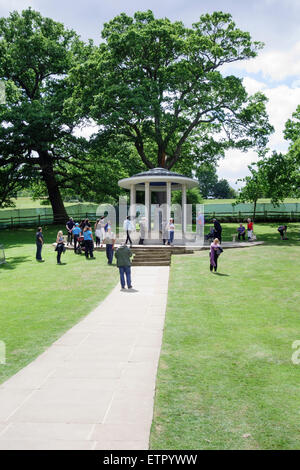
{"type": "Point", "coordinates": [148, 205]}
{"type": "Point", "coordinates": [183, 207]}
{"type": "Point", "coordinates": [168, 201]}
{"type": "Point", "coordinates": [132, 210]}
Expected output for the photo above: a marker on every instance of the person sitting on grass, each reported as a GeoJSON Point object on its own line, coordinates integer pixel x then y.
{"type": "Point", "coordinates": [210, 235]}
{"type": "Point", "coordinates": [241, 232]}
{"type": "Point", "coordinates": [282, 230]}
{"type": "Point", "coordinates": [60, 246]}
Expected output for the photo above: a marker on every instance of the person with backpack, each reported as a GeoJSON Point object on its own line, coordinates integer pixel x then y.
{"type": "Point", "coordinates": [214, 253]}
{"type": "Point", "coordinates": [123, 255]}
{"type": "Point", "coordinates": [76, 234]}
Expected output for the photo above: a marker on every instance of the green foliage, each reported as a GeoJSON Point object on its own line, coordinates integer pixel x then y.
{"type": "Point", "coordinates": [207, 176]}
{"type": "Point", "coordinates": [193, 196]}
{"type": "Point", "coordinates": [225, 378]}
{"type": "Point", "coordinates": [223, 190]}
{"type": "Point", "coordinates": [36, 136]}
{"type": "Point", "coordinates": [158, 85]}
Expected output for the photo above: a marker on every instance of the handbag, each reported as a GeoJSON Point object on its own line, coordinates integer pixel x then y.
{"type": "Point", "coordinates": [219, 251]}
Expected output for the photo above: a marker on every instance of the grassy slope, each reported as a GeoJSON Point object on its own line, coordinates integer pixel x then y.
{"type": "Point", "coordinates": [40, 301]}
{"type": "Point", "coordinates": [226, 380]}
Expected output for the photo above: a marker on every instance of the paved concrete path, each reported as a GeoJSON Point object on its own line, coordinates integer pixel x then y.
{"type": "Point", "coordinates": [94, 387]}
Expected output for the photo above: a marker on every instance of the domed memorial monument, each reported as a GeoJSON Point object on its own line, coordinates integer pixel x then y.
{"type": "Point", "coordinates": [162, 182]}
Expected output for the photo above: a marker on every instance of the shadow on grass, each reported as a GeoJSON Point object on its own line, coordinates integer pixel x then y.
{"type": "Point", "coordinates": [221, 274]}
{"type": "Point", "coordinates": [12, 263]}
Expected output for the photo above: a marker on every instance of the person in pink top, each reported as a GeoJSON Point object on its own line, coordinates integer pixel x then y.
{"type": "Point", "coordinates": [215, 251]}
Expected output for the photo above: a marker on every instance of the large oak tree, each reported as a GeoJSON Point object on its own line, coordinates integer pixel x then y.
{"type": "Point", "coordinates": [163, 87]}
{"type": "Point", "coordinates": [37, 139]}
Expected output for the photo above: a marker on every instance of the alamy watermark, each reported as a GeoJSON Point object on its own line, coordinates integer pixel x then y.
{"type": "Point", "coordinates": [2, 92]}
{"type": "Point", "coordinates": [2, 353]}
{"type": "Point", "coordinates": [154, 221]}
{"type": "Point", "coordinates": [296, 354]}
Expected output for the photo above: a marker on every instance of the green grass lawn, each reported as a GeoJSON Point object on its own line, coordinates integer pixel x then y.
{"type": "Point", "coordinates": [40, 301]}
{"type": "Point", "coordinates": [226, 379]}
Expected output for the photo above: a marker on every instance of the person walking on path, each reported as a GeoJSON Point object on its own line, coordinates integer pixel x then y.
{"type": "Point", "coordinates": [215, 251]}
{"type": "Point", "coordinates": [250, 229]}
{"type": "Point", "coordinates": [217, 230]}
{"type": "Point", "coordinates": [282, 230]}
{"type": "Point", "coordinates": [241, 232]}
{"type": "Point", "coordinates": [128, 227]}
{"type": "Point", "coordinates": [39, 240]}
{"type": "Point", "coordinates": [110, 240]}
{"type": "Point", "coordinates": [123, 255]}
{"type": "Point", "coordinates": [69, 226]}
{"type": "Point", "coordinates": [60, 246]}
{"type": "Point", "coordinates": [76, 234]}
{"type": "Point", "coordinates": [88, 242]}
{"type": "Point", "coordinates": [171, 229]}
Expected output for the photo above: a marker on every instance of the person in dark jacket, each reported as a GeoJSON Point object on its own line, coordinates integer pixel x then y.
{"type": "Point", "coordinates": [39, 240]}
{"type": "Point", "coordinates": [218, 230]}
{"type": "Point", "coordinates": [123, 255]}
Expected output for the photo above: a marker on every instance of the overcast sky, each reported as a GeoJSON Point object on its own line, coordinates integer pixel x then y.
{"type": "Point", "coordinates": [276, 71]}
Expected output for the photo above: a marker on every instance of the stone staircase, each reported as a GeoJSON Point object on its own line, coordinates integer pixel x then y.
{"type": "Point", "coordinates": [155, 255]}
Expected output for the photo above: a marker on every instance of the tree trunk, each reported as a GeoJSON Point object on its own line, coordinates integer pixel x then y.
{"type": "Point", "coordinates": [59, 212]}
{"type": "Point", "coordinates": [254, 210]}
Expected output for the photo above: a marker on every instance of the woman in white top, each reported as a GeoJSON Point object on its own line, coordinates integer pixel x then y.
{"type": "Point", "coordinates": [171, 232]}
{"type": "Point", "coordinates": [60, 245]}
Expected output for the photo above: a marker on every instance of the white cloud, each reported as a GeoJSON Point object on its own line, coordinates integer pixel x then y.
{"type": "Point", "coordinates": [283, 101]}
{"type": "Point", "coordinates": [275, 65]}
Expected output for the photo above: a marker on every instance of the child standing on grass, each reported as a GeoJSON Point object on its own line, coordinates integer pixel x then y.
{"type": "Point", "coordinates": [250, 229]}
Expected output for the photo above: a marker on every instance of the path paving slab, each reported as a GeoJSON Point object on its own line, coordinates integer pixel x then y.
{"type": "Point", "coordinates": [94, 387]}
